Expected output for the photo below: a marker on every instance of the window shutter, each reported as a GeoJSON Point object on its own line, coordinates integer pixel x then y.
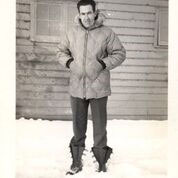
{"type": "Point", "coordinates": [161, 30]}
{"type": "Point", "coordinates": [163, 27]}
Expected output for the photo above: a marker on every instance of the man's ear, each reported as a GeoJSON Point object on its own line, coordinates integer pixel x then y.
{"type": "Point", "coordinates": [96, 14]}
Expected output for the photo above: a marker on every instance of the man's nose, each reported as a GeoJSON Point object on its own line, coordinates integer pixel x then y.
{"type": "Point", "coordinates": [86, 16]}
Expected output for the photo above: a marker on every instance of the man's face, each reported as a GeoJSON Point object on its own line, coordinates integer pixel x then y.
{"type": "Point", "coordinates": [87, 15]}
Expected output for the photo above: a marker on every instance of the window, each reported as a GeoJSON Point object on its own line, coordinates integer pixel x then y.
{"type": "Point", "coordinates": [161, 30]}
{"type": "Point", "coordinates": [49, 18]}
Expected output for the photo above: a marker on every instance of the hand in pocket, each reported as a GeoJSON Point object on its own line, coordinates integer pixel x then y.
{"type": "Point", "coordinates": [76, 69]}
{"type": "Point", "coordinates": [93, 70]}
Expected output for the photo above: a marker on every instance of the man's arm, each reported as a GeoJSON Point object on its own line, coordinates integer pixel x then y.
{"type": "Point", "coordinates": [63, 53]}
{"type": "Point", "coordinates": [116, 52]}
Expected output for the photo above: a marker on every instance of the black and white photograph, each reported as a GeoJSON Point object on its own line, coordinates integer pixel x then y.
{"type": "Point", "coordinates": [92, 90]}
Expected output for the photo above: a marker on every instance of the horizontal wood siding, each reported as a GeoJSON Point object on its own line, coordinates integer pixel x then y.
{"type": "Point", "coordinates": [139, 85]}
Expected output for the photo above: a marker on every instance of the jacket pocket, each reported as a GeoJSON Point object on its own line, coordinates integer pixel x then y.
{"type": "Point", "coordinates": [76, 70]}
{"type": "Point", "coordinates": [102, 82]}
{"type": "Point", "coordinates": [93, 69]}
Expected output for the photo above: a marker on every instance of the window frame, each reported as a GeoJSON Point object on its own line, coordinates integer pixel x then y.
{"type": "Point", "coordinates": [157, 41]}
{"type": "Point", "coordinates": [46, 38]}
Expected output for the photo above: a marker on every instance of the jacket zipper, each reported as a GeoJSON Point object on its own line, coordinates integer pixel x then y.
{"type": "Point", "coordinates": [84, 64]}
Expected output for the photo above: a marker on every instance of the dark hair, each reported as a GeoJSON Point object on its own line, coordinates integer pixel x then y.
{"type": "Point", "coordinates": [86, 2]}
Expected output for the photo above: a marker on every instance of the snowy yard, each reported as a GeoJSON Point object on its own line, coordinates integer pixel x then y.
{"type": "Point", "coordinates": [139, 149]}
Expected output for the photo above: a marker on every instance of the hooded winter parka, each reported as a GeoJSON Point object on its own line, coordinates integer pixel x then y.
{"type": "Point", "coordinates": [88, 78]}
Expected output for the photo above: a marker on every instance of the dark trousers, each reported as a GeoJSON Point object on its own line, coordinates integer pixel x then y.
{"type": "Point", "coordinates": [99, 118]}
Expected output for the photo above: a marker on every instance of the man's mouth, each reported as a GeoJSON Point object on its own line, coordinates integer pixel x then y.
{"type": "Point", "coordinates": [87, 21]}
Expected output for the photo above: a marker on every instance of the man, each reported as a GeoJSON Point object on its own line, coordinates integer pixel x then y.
{"type": "Point", "coordinates": [90, 50]}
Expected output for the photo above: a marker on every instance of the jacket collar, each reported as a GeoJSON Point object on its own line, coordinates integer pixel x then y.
{"type": "Point", "coordinates": [100, 18]}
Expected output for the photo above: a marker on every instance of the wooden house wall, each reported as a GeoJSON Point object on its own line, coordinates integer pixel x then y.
{"type": "Point", "coordinates": [139, 85]}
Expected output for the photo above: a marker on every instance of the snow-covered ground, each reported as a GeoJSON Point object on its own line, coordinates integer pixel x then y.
{"type": "Point", "coordinates": [139, 149]}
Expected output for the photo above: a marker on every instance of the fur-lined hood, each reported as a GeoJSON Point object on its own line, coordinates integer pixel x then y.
{"type": "Point", "coordinates": [100, 18]}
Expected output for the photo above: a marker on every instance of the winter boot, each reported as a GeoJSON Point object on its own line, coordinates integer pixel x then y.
{"type": "Point", "coordinates": [102, 155]}
{"type": "Point", "coordinates": [76, 152]}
